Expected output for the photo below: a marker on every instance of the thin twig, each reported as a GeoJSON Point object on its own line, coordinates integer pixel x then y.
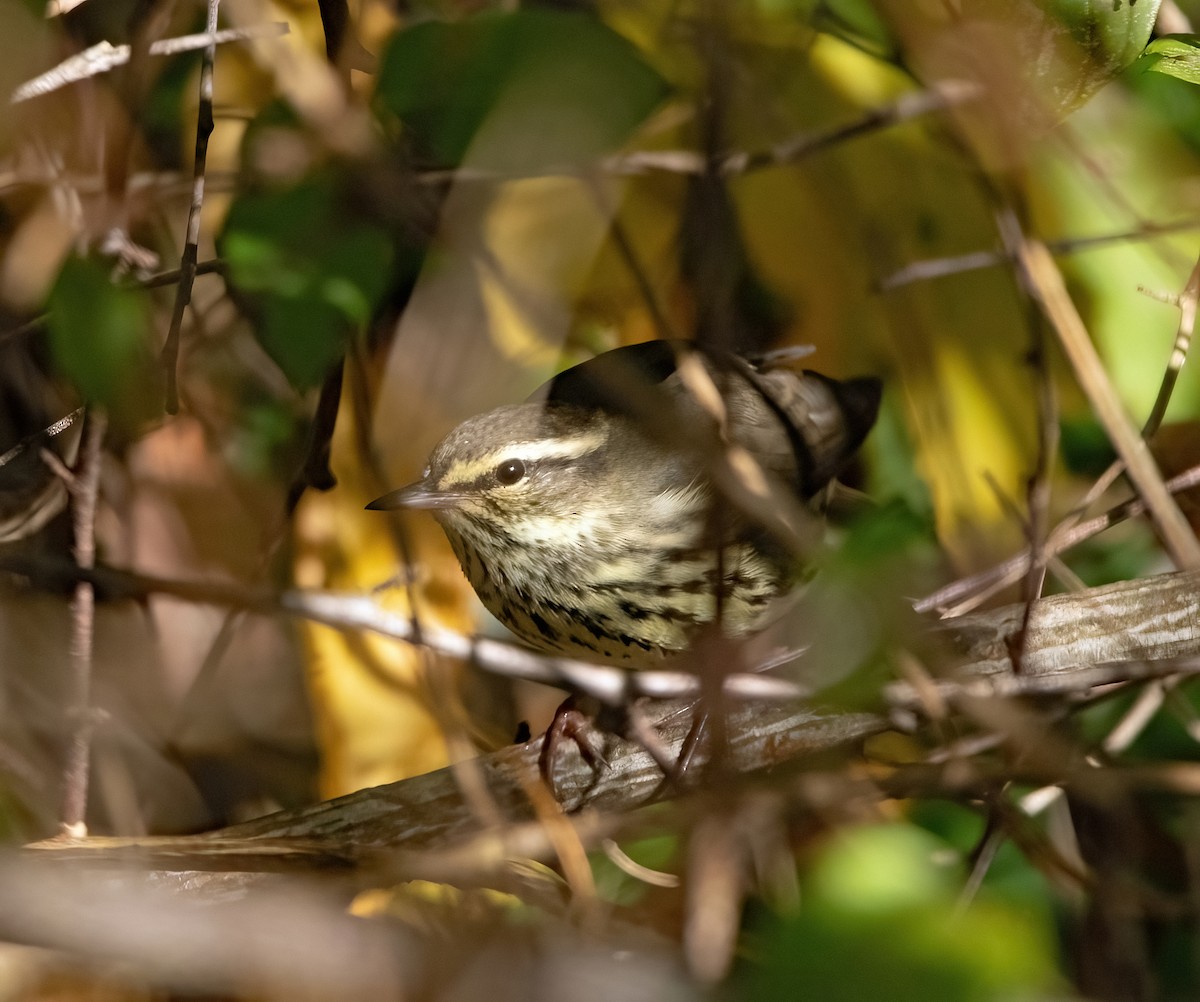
{"type": "Point", "coordinates": [628, 251]}
{"type": "Point", "coordinates": [1038, 487]}
{"type": "Point", "coordinates": [963, 595]}
{"type": "Point", "coordinates": [1187, 303]}
{"type": "Point", "coordinates": [941, 267]}
{"type": "Point", "coordinates": [353, 611]}
{"type": "Point", "coordinates": [1151, 698]}
{"type": "Point", "coordinates": [1066, 534]}
{"type": "Point", "coordinates": [103, 57]}
{"type": "Point", "coordinates": [631, 867]}
{"type": "Point", "coordinates": [191, 248]}
{"type": "Point", "coordinates": [1072, 636]}
{"type": "Point", "coordinates": [1135, 719]}
{"type": "Point", "coordinates": [946, 94]}
{"type": "Point", "coordinates": [84, 488]}
{"type": "Point", "coordinates": [1047, 280]}
{"type": "Point", "coordinates": [39, 438]}
{"type": "Point", "coordinates": [981, 861]}
{"type": "Point", "coordinates": [939, 97]}
{"type": "Point", "coordinates": [214, 267]}
{"type": "Point", "coordinates": [1148, 619]}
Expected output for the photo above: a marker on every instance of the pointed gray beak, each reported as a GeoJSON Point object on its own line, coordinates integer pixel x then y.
{"type": "Point", "coordinates": [419, 495]}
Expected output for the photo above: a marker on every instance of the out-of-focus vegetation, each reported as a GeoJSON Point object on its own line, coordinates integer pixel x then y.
{"type": "Point", "coordinates": [423, 211]}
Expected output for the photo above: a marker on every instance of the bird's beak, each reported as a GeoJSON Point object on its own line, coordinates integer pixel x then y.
{"type": "Point", "coordinates": [422, 494]}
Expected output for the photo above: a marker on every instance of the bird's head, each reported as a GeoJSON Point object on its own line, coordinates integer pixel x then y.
{"type": "Point", "coordinates": [522, 475]}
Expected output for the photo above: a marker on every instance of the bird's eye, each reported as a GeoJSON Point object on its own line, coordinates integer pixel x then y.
{"type": "Point", "coordinates": [510, 471]}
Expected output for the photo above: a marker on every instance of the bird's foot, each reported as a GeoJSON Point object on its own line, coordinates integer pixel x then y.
{"type": "Point", "coordinates": [572, 724]}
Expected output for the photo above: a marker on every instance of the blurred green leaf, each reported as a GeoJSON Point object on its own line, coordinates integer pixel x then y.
{"type": "Point", "coordinates": [99, 335]}
{"type": "Point", "coordinates": [525, 90]}
{"type": "Point", "coordinates": [1010, 876]}
{"type": "Point", "coordinates": [853, 21]}
{"type": "Point", "coordinates": [1055, 54]}
{"type": "Point", "coordinates": [880, 916]}
{"type": "Point", "coordinates": [1112, 33]}
{"type": "Point", "coordinates": [892, 530]}
{"type": "Point", "coordinates": [875, 871]}
{"type": "Point", "coordinates": [1086, 449]}
{"type": "Point", "coordinates": [1121, 554]}
{"type": "Point", "coordinates": [311, 270]}
{"type": "Point", "coordinates": [1173, 55]}
{"type": "Point", "coordinates": [266, 441]}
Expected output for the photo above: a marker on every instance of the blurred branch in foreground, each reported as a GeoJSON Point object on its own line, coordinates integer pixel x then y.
{"type": "Point", "coordinates": [1116, 634]}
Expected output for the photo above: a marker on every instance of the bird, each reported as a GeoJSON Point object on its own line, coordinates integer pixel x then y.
{"type": "Point", "coordinates": [627, 507]}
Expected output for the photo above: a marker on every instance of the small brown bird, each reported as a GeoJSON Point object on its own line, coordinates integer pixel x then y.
{"type": "Point", "coordinates": [591, 522]}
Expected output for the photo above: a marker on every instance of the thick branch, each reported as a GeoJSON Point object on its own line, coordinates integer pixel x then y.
{"type": "Point", "coordinates": [1073, 642]}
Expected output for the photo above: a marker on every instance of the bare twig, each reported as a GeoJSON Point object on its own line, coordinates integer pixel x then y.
{"type": "Point", "coordinates": [952, 597]}
{"type": "Point", "coordinates": [1047, 280]}
{"type": "Point", "coordinates": [631, 867]}
{"type": "Point", "coordinates": [1038, 488]}
{"type": "Point", "coordinates": [627, 248]}
{"type": "Point", "coordinates": [924, 271]}
{"type": "Point", "coordinates": [939, 97]}
{"type": "Point", "coordinates": [1187, 303]}
{"type": "Point", "coordinates": [1067, 534]}
{"type": "Point", "coordinates": [103, 57]}
{"type": "Point", "coordinates": [352, 611]}
{"type": "Point", "coordinates": [187, 263]}
{"type": "Point", "coordinates": [84, 488]}
{"type": "Point", "coordinates": [1073, 642]}
{"type": "Point", "coordinates": [612, 686]}
{"type": "Point", "coordinates": [946, 94]}
{"type": "Point", "coordinates": [1150, 619]}
{"type": "Point", "coordinates": [51, 431]}
{"type": "Point", "coordinates": [213, 267]}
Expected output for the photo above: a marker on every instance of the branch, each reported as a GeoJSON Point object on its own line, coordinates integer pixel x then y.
{"type": "Point", "coordinates": [84, 488]}
{"type": "Point", "coordinates": [1073, 642]}
{"type": "Point", "coordinates": [1047, 283]}
{"type": "Point", "coordinates": [191, 245]}
{"type": "Point", "coordinates": [104, 56]}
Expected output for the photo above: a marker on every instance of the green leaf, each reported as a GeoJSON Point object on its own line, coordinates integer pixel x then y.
{"type": "Point", "coordinates": [308, 269]}
{"type": "Point", "coordinates": [853, 21]}
{"type": "Point", "coordinates": [1058, 53]}
{"type": "Point", "coordinates": [1086, 448]}
{"type": "Point", "coordinates": [99, 335]}
{"type": "Point", "coordinates": [1173, 55]}
{"type": "Point", "coordinates": [1113, 33]}
{"type": "Point", "coordinates": [520, 91]}
{"type": "Point", "coordinates": [880, 915]}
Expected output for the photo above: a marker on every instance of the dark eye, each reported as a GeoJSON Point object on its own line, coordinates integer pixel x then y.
{"type": "Point", "coordinates": [510, 471]}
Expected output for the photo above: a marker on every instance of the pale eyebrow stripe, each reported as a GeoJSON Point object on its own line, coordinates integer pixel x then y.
{"type": "Point", "coordinates": [466, 471]}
